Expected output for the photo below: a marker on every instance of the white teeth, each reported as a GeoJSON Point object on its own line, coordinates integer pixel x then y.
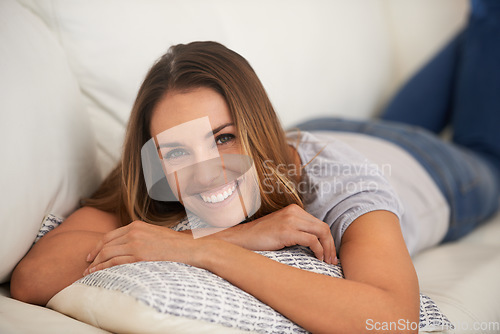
{"type": "Point", "coordinates": [219, 197]}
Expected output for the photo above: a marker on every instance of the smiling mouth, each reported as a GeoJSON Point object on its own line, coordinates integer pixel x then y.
{"type": "Point", "coordinates": [219, 195]}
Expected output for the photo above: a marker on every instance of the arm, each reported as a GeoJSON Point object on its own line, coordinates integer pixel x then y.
{"type": "Point", "coordinates": [59, 258]}
{"type": "Point", "coordinates": [380, 283]}
{"type": "Point", "coordinates": [286, 227]}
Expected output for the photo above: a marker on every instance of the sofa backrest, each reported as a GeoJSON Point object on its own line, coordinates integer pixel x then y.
{"type": "Point", "coordinates": [317, 57]}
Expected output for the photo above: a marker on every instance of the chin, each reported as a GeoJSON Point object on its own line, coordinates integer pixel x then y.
{"type": "Point", "coordinates": [224, 218]}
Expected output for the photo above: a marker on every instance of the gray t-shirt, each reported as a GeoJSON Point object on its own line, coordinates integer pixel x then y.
{"type": "Point", "coordinates": [350, 174]}
{"type": "Point", "coordinates": [339, 184]}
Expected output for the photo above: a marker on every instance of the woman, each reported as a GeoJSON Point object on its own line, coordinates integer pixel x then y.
{"type": "Point", "coordinates": [123, 222]}
{"type": "Point", "coordinates": [207, 80]}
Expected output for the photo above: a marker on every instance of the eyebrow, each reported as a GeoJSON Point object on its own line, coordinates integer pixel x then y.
{"type": "Point", "coordinates": [218, 129]}
{"type": "Point", "coordinates": [212, 133]}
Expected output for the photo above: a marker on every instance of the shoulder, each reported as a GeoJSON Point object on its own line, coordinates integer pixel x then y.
{"type": "Point", "coordinates": [89, 219]}
{"type": "Point", "coordinates": [323, 147]}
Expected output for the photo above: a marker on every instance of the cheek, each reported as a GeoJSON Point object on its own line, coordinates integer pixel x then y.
{"type": "Point", "coordinates": [231, 148]}
{"type": "Point", "coordinates": [176, 183]}
{"type": "Point", "coordinates": [251, 191]}
{"type": "Point", "coordinates": [252, 182]}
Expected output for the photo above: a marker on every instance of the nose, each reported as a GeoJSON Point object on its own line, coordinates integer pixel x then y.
{"type": "Point", "coordinates": [207, 168]}
{"type": "Point", "coordinates": [207, 173]}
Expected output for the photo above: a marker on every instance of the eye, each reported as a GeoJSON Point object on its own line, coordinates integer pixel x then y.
{"type": "Point", "coordinates": [175, 154]}
{"type": "Point", "coordinates": [224, 138]}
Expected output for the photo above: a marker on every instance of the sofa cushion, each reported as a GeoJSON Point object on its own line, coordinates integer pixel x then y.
{"type": "Point", "coordinates": [48, 147]}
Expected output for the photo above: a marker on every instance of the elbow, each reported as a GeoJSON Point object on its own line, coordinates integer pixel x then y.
{"type": "Point", "coordinates": [399, 317]}
{"type": "Point", "coordinates": [25, 287]}
{"type": "Point", "coordinates": [400, 324]}
{"type": "Point", "coordinates": [18, 285]}
{"type": "Point", "coordinates": [382, 316]}
{"type": "Point", "coordinates": [394, 313]}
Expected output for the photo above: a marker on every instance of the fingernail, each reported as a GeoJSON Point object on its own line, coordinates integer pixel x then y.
{"type": "Point", "coordinates": [86, 272]}
{"type": "Point", "coordinates": [329, 260]}
{"type": "Point", "coordinates": [335, 260]}
{"type": "Point", "coordinates": [88, 257]}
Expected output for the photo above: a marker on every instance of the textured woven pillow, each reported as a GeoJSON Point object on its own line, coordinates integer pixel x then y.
{"type": "Point", "coordinates": [171, 297]}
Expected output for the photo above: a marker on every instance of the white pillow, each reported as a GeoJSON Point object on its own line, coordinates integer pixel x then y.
{"type": "Point", "coordinates": [48, 150]}
{"type": "Point", "coordinates": [171, 297]}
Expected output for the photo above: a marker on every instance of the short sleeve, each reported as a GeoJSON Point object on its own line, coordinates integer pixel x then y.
{"type": "Point", "coordinates": [339, 184]}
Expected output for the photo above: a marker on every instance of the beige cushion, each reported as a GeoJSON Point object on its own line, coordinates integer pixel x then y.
{"type": "Point", "coordinates": [48, 147]}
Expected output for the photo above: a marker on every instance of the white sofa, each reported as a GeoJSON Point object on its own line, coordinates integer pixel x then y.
{"type": "Point", "coordinates": [69, 71]}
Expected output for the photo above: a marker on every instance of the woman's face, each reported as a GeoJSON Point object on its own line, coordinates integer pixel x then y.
{"type": "Point", "coordinates": [202, 157]}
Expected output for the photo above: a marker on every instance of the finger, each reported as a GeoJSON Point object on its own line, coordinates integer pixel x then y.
{"type": "Point", "coordinates": [301, 220]}
{"type": "Point", "coordinates": [110, 263]}
{"type": "Point", "coordinates": [325, 237]}
{"type": "Point", "coordinates": [328, 243]}
{"type": "Point", "coordinates": [322, 231]}
{"type": "Point", "coordinates": [91, 256]}
{"type": "Point", "coordinates": [311, 241]}
{"type": "Point", "coordinates": [106, 239]}
{"type": "Point", "coordinates": [331, 244]}
{"type": "Point", "coordinates": [121, 248]}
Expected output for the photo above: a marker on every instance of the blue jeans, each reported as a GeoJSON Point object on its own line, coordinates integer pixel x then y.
{"type": "Point", "coordinates": [466, 179]}
{"type": "Point", "coordinates": [460, 87]}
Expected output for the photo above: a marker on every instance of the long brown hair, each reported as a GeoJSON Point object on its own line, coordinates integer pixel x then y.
{"type": "Point", "coordinates": [185, 67]}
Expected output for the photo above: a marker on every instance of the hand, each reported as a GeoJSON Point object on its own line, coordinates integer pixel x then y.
{"type": "Point", "coordinates": [289, 226]}
{"type": "Point", "coordinates": [140, 241]}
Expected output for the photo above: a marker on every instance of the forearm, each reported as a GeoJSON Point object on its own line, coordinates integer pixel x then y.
{"type": "Point", "coordinates": [234, 235]}
{"type": "Point", "coordinates": [319, 303]}
{"type": "Point", "coordinates": [51, 265]}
